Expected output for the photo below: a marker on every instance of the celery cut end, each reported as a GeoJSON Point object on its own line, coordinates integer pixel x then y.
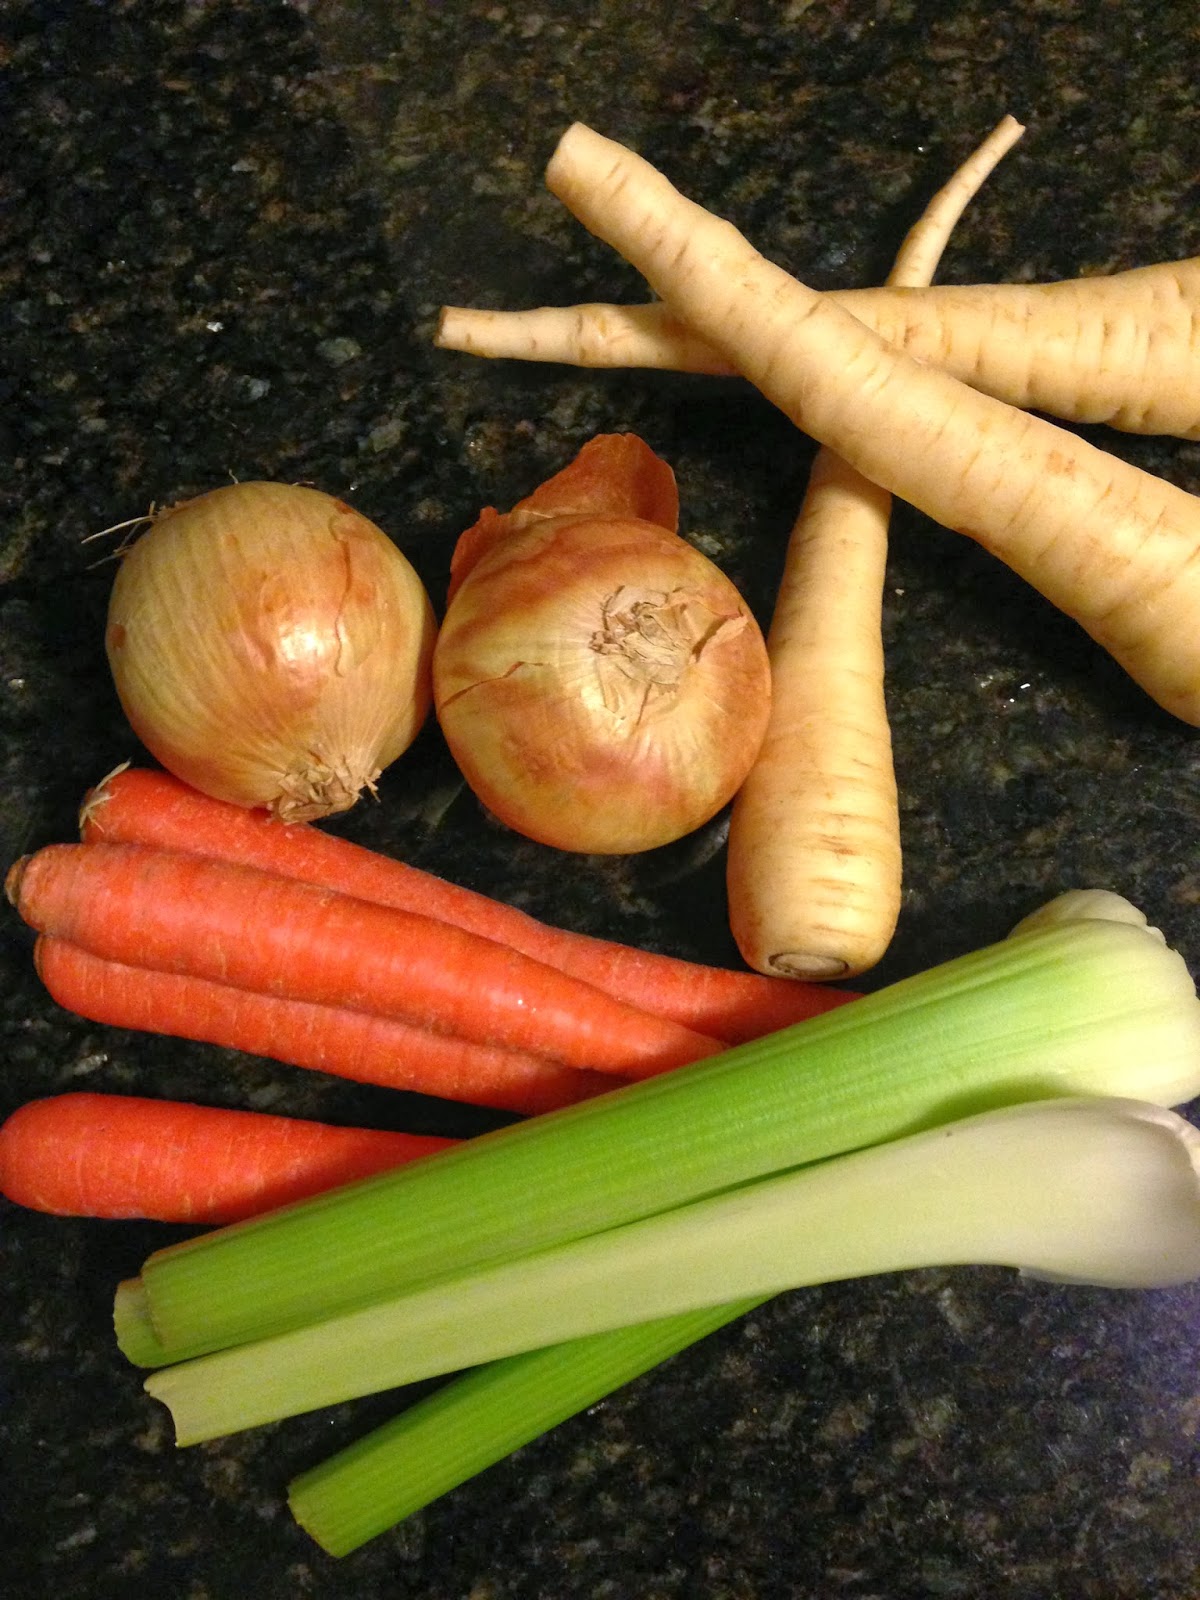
{"type": "Point", "coordinates": [136, 1338]}
{"type": "Point", "coordinates": [1081, 905]}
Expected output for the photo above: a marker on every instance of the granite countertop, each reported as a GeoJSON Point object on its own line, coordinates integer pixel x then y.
{"type": "Point", "coordinates": [228, 228]}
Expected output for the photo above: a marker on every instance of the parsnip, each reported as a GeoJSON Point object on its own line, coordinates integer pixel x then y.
{"type": "Point", "coordinates": [1122, 349]}
{"type": "Point", "coordinates": [813, 867]}
{"type": "Point", "coordinates": [1114, 547]}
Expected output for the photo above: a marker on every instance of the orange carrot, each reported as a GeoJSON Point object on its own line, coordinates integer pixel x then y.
{"type": "Point", "coordinates": [137, 806]}
{"type": "Point", "coordinates": [333, 1039]}
{"type": "Point", "coordinates": [235, 924]}
{"type": "Point", "coordinates": [120, 1156]}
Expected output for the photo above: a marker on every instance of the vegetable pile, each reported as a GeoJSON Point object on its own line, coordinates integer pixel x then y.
{"type": "Point", "coordinates": [255, 1323]}
{"type": "Point", "coordinates": [691, 1139]}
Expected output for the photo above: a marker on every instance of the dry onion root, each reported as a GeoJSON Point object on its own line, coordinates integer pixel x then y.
{"type": "Point", "coordinates": [271, 647]}
{"type": "Point", "coordinates": [602, 684]}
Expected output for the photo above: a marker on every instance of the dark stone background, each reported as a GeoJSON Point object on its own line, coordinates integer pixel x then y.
{"type": "Point", "coordinates": [227, 230]}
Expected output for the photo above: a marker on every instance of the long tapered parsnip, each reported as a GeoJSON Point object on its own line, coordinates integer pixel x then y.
{"type": "Point", "coordinates": [813, 867]}
{"type": "Point", "coordinates": [1121, 348]}
{"type": "Point", "coordinates": [1114, 547]}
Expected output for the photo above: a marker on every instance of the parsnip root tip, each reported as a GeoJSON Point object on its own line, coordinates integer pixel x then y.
{"type": "Point", "coordinates": [812, 968]}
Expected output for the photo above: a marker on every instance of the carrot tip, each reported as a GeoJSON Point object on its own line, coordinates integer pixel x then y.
{"type": "Point", "coordinates": [12, 880]}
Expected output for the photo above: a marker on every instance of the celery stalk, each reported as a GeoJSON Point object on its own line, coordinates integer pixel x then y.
{"type": "Point", "coordinates": [136, 1338]}
{"type": "Point", "coordinates": [470, 1424]}
{"type": "Point", "coordinates": [1093, 1007]}
{"type": "Point", "coordinates": [1097, 1191]}
{"type": "Point", "coordinates": [473, 1422]}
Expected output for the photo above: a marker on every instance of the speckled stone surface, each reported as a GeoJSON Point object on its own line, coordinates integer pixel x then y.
{"type": "Point", "coordinates": [228, 227]}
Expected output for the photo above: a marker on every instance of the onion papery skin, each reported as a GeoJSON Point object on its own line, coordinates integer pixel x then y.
{"type": "Point", "coordinates": [576, 733]}
{"type": "Point", "coordinates": [271, 647]}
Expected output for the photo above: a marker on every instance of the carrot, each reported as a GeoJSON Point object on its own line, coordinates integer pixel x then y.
{"type": "Point", "coordinates": [1112, 546]}
{"type": "Point", "coordinates": [1122, 349]}
{"type": "Point", "coordinates": [120, 1156]}
{"type": "Point", "coordinates": [332, 1039]}
{"type": "Point", "coordinates": [813, 868]}
{"type": "Point", "coordinates": [138, 806]}
{"type": "Point", "coordinates": [254, 930]}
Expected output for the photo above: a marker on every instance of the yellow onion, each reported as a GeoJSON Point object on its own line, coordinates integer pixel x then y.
{"type": "Point", "coordinates": [271, 647]}
{"type": "Point", "coordinates": [601, 684]}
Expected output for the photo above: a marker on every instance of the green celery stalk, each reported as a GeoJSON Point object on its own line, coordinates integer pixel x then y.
{"type": "Point", "coordinates": [470, 1424]}
{"type": "Point", "coordinates": [1088, 1007]}
{"type": "Point", "coordinates": [473, 1422]}
{"type": "Point", "coordinates": [1099, 1191]}
{"type": "Point", "coordinates": [136, 1338]}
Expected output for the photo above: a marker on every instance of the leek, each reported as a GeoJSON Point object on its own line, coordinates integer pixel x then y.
{"type": "Point", "coordinates": [1093, 1007]}
{"type": "Point", "coordinates": [1096, 1191]}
